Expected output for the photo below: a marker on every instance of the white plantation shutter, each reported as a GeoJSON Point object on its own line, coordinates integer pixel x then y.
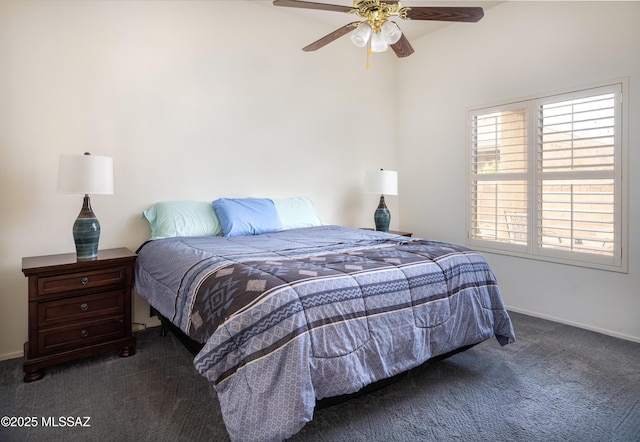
{"type": "Point", "coordinates": [499, 176]}
{"type": "Point", "coordinates": [545, 178]}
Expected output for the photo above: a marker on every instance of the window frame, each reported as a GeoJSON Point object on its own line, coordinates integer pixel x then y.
{"type": "Point", "coordinates": [618, 262]}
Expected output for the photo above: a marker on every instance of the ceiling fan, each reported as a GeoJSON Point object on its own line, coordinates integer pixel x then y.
{"type": "Point", "coordinates": [376, 30]}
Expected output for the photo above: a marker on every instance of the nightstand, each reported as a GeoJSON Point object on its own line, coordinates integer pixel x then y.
{"type": "Point", "coordinates": [395, 232]}
{"type": "Point", "coordinates": [77, 309]}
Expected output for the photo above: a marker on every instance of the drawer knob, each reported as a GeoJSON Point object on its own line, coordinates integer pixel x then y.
{"type": "Point", "coordinates": [85, 280]}
{"type": "Point", "coordinates": [84, 333]}
{"type": "Point", "coordinates": [84, 307]}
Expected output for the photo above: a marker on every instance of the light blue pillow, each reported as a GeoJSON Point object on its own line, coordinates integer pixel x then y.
{"type": "Point", "coordinates": [182, 218]}
{"type": "Point", "coordinates": [297, 212]}
{"type": "Point", "coordinates": [246, 216]}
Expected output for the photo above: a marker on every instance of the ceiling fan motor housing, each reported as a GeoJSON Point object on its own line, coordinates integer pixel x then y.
{"type": "Point", "coordinates": [376, 13]}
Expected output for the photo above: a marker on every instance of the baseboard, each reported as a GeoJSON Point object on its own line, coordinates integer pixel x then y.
{"type": "Point", "coordinates": [13, 355]}
{"type": "Point", "coordinates": [574, 324]}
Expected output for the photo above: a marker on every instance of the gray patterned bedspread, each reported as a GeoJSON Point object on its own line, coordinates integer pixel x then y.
{"type": "Point", "coordinates": [299, 315]}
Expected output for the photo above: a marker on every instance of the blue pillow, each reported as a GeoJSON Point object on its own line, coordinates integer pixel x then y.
{"type": "Point", "coordinates": [246, 216]}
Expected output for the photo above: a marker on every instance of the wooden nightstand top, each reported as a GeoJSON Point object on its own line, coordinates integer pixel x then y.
{"type": "Point", "coordinates": [46, 263]}
{"type": "Point", "coordinates": [395, 232]}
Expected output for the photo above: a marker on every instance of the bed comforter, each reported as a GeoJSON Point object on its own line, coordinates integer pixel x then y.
{"type": "Point", "coordinates": [299, 315]}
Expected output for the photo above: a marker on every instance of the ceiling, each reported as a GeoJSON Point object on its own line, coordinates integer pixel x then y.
{"type": "Point", "coordinates": [412, 29]}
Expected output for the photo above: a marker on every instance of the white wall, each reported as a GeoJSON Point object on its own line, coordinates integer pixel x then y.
{"type": "Point", "coordinates": [519, 49]}
{"type": "Point", "coordinates": [193, 100]}
{"type": "Point", "coordinates": [188, 117]}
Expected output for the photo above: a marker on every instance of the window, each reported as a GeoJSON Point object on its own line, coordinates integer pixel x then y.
{"type": "Point", "coordinates": [546, 177]}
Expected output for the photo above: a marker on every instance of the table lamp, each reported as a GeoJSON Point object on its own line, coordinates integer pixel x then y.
{"type": "Point", "coordinates": [382, 182]}
{"type": "Point", "coordinates": [86, 174]}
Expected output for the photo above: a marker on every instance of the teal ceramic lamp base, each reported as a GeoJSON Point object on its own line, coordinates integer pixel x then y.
{"type": "Point", "coordinates": [86, 232]}
{"type": "Point", "coordinates": [382, 216]}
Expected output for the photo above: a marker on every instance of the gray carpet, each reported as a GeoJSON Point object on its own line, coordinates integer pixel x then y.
{"type": "Point", "coordinates": [556, 383]}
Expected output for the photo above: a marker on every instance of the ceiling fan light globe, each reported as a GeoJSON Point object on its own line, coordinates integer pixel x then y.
{"type": "Point", "coordinates": [378, 44]}
{"type": "Point", "coordinates": [360, 36]}
{"type": "Point", "coordinates": [391, 32]}
{"type": "Point", "coordinates": [358, 41]}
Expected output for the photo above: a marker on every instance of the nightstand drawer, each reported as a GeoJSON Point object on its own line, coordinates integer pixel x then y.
{"type": "Point", "coordinates": [65, 283]}
{"type": "Point", "coordinates": [80, 308]}
{"type": "Point", "coordinates": [60, 339]}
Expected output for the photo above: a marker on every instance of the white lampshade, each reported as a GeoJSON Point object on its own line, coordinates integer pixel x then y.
{"type": "Point", "coordinates": [360, 36]}
{"type": "Point", "coordinates": [391, 32]}
{"type": "Point", "coordinates": [378, 43]}
{"type": "Point", "coordinates": [87, 174]}
{"type": "Point", "coordinates": [382, 182]}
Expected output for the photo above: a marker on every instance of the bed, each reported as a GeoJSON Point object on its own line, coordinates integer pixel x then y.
{"type": "Point", "coordinates": [291, 316]}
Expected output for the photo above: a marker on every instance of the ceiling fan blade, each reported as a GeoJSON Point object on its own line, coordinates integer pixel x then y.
{"type": "Point", "coordinates": [444, 13]}
{"type": "Point", "coordinates": [331, 37]}
{"type": "Point", "coordinates": [312, 5]}
{"type": "Point", "coordinates": [402, 47]}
